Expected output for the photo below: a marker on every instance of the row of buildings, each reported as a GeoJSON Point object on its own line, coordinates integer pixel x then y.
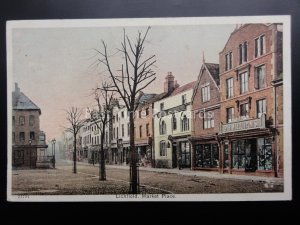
{"type": "Point", "coordinates": [230, 119]}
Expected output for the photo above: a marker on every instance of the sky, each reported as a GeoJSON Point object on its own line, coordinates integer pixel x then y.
{"type": "Point", "coordinates": [54, 66]}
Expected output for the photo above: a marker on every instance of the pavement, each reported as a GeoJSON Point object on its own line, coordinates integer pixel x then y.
{"type": "Point", "coordinates": [193, 173]}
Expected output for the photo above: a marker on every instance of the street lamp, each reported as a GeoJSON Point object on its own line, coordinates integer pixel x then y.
{"type": "Point", "coordinates": [53, 152]}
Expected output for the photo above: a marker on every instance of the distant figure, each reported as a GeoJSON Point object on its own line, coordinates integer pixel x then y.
{"type": "Point", "coordinates": [179, 163]}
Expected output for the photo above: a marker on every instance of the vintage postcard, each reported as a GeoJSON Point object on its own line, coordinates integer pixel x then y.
{"type": "Point", "coordinates": [158, 109]}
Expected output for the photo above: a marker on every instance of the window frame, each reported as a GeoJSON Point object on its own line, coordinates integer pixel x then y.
{"type": "Point", "coordinates": [229, 89]}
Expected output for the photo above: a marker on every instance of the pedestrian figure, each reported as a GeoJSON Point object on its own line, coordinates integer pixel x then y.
{"type": "Point", "coordinates": [179, 163]}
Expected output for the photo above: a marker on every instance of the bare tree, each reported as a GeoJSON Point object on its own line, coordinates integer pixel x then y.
{"type": "Point", "coordinates": [134, 75]}
{"type": "Point", "coordinates": [101, 118]}
{"type": "Point", "coordinates": [74, 118]}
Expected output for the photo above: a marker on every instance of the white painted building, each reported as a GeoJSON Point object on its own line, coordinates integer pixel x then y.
{"type": "Point", "coordinates": [172, 125]}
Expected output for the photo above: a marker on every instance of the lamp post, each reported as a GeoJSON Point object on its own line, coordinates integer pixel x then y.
{"type": "Point", "coordinates": [53, 151]}
{"type": "Point", "coordinates": [30, 163]}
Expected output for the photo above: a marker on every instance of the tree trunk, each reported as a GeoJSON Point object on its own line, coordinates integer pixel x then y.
{"type": "Point", "coordinates": [133, 157]}
{"type": "Point", "coordinates": [102, 172]}
{"type": "Point", "coordinates": [74, 156]}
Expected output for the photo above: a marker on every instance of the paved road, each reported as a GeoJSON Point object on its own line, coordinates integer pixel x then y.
{"type": "Point", "coordinates": [185, 181]}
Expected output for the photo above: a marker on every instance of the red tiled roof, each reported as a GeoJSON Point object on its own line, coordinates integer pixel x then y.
{"type": "Point", "coordinates": [183, 88]}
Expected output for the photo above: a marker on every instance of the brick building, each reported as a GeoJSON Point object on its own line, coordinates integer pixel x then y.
{"type": "Point", "coordinates": [206, 118]}
{"type": "Point", "coordinates": [27, 138]}
{"type": "Point", "coordinates": [250, 71]}
{"type": "Point", "coordinates": [143, 122]}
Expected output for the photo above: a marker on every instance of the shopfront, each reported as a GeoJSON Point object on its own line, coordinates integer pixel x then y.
{"type": "Point", "coordinates": [249, 151]}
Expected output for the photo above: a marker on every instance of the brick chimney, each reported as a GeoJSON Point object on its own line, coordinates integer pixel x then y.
{"type": "Point", "coordinates": [17, 89]}
{"type": "Point", "coordinates": [169, 84]}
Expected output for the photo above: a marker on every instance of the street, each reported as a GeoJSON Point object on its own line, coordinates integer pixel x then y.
{"type": "Point", "coordinates": [61, 181]}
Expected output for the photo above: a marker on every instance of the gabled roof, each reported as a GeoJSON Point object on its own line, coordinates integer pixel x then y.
{"type": "Point", "coordinates": [183, 88]}
{"type": "Point", "coordinates": [213, 71]}
{"type": "Point", "coordinates": [22, 102]}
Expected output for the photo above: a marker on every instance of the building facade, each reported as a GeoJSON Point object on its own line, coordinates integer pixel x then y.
{"type": "Point", "coordinates": [206, 119]}
{"type": "Point", "coordinates": [249, 64]}
{"type": "Point", "coordinates": [172, 125]}
{"type": "Point", "coordinates": [27, 139]}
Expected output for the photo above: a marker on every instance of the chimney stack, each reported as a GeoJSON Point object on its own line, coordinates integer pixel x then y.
{"type": "Point", "coordinates": [17, 89]}
{"type": "Point", "coordinates": [169, 84]}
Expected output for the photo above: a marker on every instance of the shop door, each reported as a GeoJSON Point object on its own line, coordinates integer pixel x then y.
{"type": "Point", "coordinates": [251, 155]}
{"type": "Point", "coordinates": [185, 154]}
{"type": "Point", "coordinates": [174, 155]}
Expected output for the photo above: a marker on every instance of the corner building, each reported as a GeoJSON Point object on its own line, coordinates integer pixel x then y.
{"type": "Point", "coordinates": [250, 137]}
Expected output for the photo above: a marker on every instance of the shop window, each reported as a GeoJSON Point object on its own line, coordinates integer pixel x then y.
{"type": "Point", "coordinates": [238, 154]}
{"type": "Point", "coordinates": [207, 156]}
{"type": "Point", "coordinates": [264, 148]}
{"type": "Point", "coordinates": [162, 148]}
{"type": "Point", "coordinates": [226, 156]}
{"type": "Point", "coordinates": [185, 154]}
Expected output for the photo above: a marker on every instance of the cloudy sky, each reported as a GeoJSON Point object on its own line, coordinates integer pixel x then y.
{"type": "Point", "coordinates": [53, 66]}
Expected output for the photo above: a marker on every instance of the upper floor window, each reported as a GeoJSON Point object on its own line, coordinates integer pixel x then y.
{"type": "Point", "coordinates": [259, 77]}
{"type": "Point", "coordinates": [174, 122]}
{"type": "Point", "coordinates": [244, 82]}
{"type": "Point", "coordinates": [185, 123]}
{"type": "Point", "coordinates": [243, 52]}
{"type": "Point", "coordinates": [13, 137]}
{"type": "Point", "coordinates": [22, 136]}
{"type": "Point", "coordinates": [162, 128]}
{"type": "Point", "coordinates": [117, 132]}
{"type": "Point", "coordinates": [208, 120]}
{"type": "Point", "coordinates": [228, 61]}
{"type": "Point", "coordinates": [230, 114]}
{"type": "Point", "coordinates": [147, 129]}
{"type": "Point", "coordinates": [128, 129]}
{"type": "Point", "coordinates": [162, 148]}
{"type": "Point", "coordinates": [140, 114]}
{"type": "Point", "coordinates": [122, 130]}
{"type": "Point", "coordinates": [31, 136]}
{"type": "Point", "coordinates": [141, 131]}
{"type": "Point", "coordinates": [114, 134]}
{"type": "Point", "coordinates": [106, 137]}
{"type": "Point", "coordinates": [22, 120]}
{"type": "Point", "coordinates": [261, 107]}
{"type": "Point", "coordinates": [229, 88]}
{"type": "Point", "coordinates": [260, 48]}
{"type": "Point", "coordinates": [183, 98]}
{"type": "Point", "coordinates": [31, 120]}
{"type": "Point", "coordinates": [122, 114]}
{"type": "Point", "coordinates": [147, 111]}
{"type": "Point", "coordinates": [244, 110]}
{"type": "Point", "coordinates": [205, 93]}
{"type": "Point", "coordinates": [162, 106]}
{"type": "Point", "coordinates": [13, 121]}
